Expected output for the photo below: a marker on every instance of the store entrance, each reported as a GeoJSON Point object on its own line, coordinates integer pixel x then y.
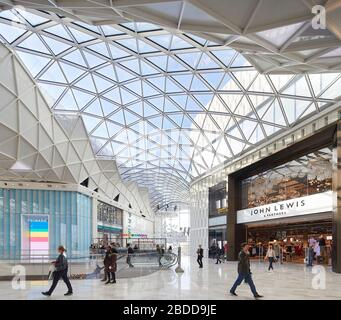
{"type": "Point", "coordinates": [291, 240]}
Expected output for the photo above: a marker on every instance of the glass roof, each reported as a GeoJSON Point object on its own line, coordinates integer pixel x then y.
{"type": "Point", "coordinates": [166, 106]}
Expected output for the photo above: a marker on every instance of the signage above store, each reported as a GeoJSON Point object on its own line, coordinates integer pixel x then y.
{"type": "Point", "coordinates": [316, 203]}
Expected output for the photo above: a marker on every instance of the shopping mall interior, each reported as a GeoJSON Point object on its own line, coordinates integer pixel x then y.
{"type": "Point", "coordinates": [135, 132]}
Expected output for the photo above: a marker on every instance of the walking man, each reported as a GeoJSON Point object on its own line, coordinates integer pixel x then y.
{"type": "Point", "coordinates": [244, 272]}
{"type": "Point", "coordinates": [200, 253]}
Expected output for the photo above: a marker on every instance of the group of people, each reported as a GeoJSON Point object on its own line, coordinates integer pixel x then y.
{"type": "Point", "coordinates": [317, 249]}
{"type": "Point", "coordinates": [110, 264]}
{"type": "Point", "coordinates": [244, 270]}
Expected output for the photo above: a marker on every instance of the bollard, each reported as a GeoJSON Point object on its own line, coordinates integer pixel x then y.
{"type": "Point", "coordinates": [178, 268]}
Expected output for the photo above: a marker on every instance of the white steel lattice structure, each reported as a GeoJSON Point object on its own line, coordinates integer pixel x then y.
{"type": "Point", "coordinates": [275, 36]}
{"type": "Point", "coordinates": [36, 146]}
{"type": "Point", "coordinates": [166, 104]}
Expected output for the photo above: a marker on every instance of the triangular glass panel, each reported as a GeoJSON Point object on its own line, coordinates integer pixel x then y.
{"type": "Point", "coordinates": [270, 130]}
{"type": "Point", "coordinates": [123, 75]}
{"type": "Point", "coordinates": [166, 125]}
{"type": "Point", "coordinates": [51, 92]}
{"type": "Point", "coordinates": [56, 46]}
{"type": "Point", "coordinates": [170, 107]}
{"type": "Point", "coordinates": [127, 96]}
{"type": "Point", "coordinates": [191, 58]}
{"type": "Point", "coordinates": [53, 73]}
{"type": "Point", "coordinates": [80, 36]}
{"type": "Point", "coordinates": [240, 61]}
{"type": "Point", "coordinates": [100, 48]}
{"type": "Point", "coordinates": [82, 98]}
{"type": "Point", "coordinates": [213, 78]}
{"type": "Point", "coordinates": [110, 31]}
{"type": "Point", "coordinates": [90, 122]}
{"type": "Point", "coordinates": [148, 90]}
{"type": "Point", "coordinates": [274, 114]}
{"type": "Point", "coordinates": [133, 65]}
{"type": "Point", "coordinates": [225, 56]}
{"type": "Point", "coordinates": [146, 69]}
{"type": "Point", "coordinates": [33, 62]}
{"type": "Point", "coordinates": [171, 86]}
{"type": "Point", "coordinates": [11, 33]}
{"type": "Point", "coordinates": [34, 43]}
{"type": "Point", "coordinates": [118, 117]}
{"type": "Point", "coordinates": [130, 117]}
{"type": "Point", "coordinates": [299, 88]}
{"type": "Point", "coordinates": [321, 81]}
{"type": "Point", "coordinates": [174, 65]}
{"type": "Point", "coordinates": [101, 84]}
{"type": "Point", "coordinates": [129, 43]}
{"type": "Point", "coordinates": [59, 31]}
{"type": "Point", "coordinates": [75, 57]}
{"type": "Point", "coordinates": [157, 121]}
{"type": "Point", "coordinates": [148, 110]}
{"type": "Point", "coordinates": [163, 40]}
{"type": "Point", "coordinates": [184, 79]}
{"type": "Point", "coordinates": [228, 84]}
{"type": "Point", "coordinates": [135, 87]}
{"type": "Point", "coordinates": [179, 43]}
{"type": "Point", "coordinates": [280, 80]}
{"type": "Point", "coordinates": [177, 118]}
{"type": "Point", "coordinates": [244, 108]}
{"type": "Point", "coordinates": [308, 111]}
{"type": "Point", "coordinates": [117, 53]}
{"type": "Point", "coordinates": [107, 107]}
{"type": "Point", "coordinates": [71, 73]}
{"type": "Point", "coordinates": [159, 61]}
{"type": "Point", "coordinates": [94, 108]}
{"type": "Point", "coordinates": [86, 83]}
{"type": "Point", "coordinates": [261, 84]}
{"type": "Point", "coordinates": [93, 61]}
{"type": "Point", "coordinates": [113, 128]}
{"type": "Point", "coordinates": [101, 131]}
{"type": "Point", "coordinates": [204, 99]}
{"type": "Point", "coordinates": [114, 95]}
{"type": "Point", "coordinates": [137, 108]}
{"type": "Point", "coordinates": [108, 72]}
{"type": "Point", "coordinates": [334, 91]}
{"type": "Point", "coordinates": [67, 102]}
{"type": "Point", "coordinates": [294, 108]}
{"type": "Point", "coordinates": [198, 85]}
{"type": "Point", "coordinates": [245, 77]}
{"type": "Point", "coordinates": [207, 63]}
{"type": "Point", "coordinates": [193, 106]}
{"type": "Point", "coordinates": [144, 47]}
{"type": "Point", "coordinates": [257, 135]}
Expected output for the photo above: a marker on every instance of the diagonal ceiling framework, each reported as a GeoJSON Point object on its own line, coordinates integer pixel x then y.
{"type": "Point", "coordinates": [275, 36]}
{"type": "Point", "coordinates": [166, 106]}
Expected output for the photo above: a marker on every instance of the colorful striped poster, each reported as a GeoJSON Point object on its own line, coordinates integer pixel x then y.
{"type": "Point", "coordinates": [39, 236]}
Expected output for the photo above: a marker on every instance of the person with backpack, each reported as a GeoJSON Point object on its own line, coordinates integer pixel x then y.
{"type": "Point", "coordinates": [61, 269]}
{"type": "Point", "coordinates": [244, 272]}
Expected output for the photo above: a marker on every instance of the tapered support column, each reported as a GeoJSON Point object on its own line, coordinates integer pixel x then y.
{"type": "Point", "coordinates": [336, 248]}
{"type": "Point", "coordinates": [235, 232]}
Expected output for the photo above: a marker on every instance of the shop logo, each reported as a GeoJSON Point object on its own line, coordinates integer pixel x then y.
{"type": "Point", "coordinates": [319, 280]}
{"type": "Point", "coordinates": [319, 21]}
{"type": "Point", "coordinates": [278, 208]}
{"type": "Point", "coordinates": [19, 279]}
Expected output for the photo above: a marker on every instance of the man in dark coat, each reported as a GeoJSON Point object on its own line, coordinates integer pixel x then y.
{"type": "Point", "coordinates": [244, 272]}
{"type": "Point", "coordinates": [61, 268]}
{"type": "Point", "coordinates": [200, 253]}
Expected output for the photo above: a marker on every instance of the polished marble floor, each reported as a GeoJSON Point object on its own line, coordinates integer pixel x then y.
{"type": "Point", "coordinates": [288, 281]}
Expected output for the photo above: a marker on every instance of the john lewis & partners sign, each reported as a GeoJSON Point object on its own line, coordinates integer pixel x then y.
{"type": "Point", "coordinates": [321, 202]}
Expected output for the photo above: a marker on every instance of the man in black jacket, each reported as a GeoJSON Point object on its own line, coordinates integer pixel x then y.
{"type": "Point", "coordinates": [244, 272]}
{"type": "Point", "coordinates": [61, 267]}
{"type": "Point", "coordinates": [200, 253]}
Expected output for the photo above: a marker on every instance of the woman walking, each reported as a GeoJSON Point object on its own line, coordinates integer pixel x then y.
{"type": "Point", "coordinates": [271, 256]}
{"type": "Point", "coordinates": [61, 268]}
